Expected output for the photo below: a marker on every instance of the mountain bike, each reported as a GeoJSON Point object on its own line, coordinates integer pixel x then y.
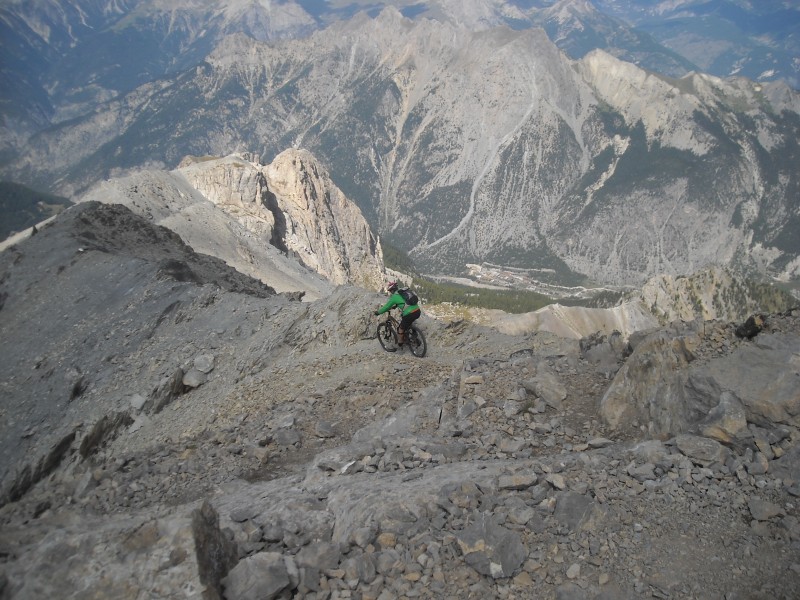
{"type": "Point", "coordinates": [387, 336]}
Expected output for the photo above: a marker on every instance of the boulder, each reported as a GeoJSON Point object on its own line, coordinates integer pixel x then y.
{"type": "Point", "coordinates": [764, 377]}
{"type": "Point", "coordinates": [751, 327]}
{"type": "Point", "coordinates": [572, 509]}
{"type": "Point", "coordinates": [194, 378]}
{"type": "Point", "coordinates": [726, 422]}
{"type": "Point", "coordinates": [490, 548]}
{"type": "Point", "coordinates": [204, 363]}
{"type": "Point", "coordinates": [262, 576]}
{"type": "Point", "coordinates": [547, 386]}
{"type": "Point", "coordinates": [660, 385]}
{"type": "Point", "coordinates": [702, 451]}
{"type": "Point", "coordinates": [649, 387]}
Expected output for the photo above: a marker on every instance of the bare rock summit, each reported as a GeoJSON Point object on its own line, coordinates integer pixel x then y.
{"type": "Point", "coordinates": [285, 224]}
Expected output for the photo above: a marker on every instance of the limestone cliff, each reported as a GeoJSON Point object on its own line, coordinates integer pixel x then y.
{"type": "Point", "coordinates": [294, 202]}
{"type": "Point", "coordinates": [320, 225]}
{"type": "Point", "coordinates": [286, 224]}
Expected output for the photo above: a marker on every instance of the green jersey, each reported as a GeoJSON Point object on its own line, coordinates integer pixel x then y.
{"type": "Point", "coordinates": [397, 300]}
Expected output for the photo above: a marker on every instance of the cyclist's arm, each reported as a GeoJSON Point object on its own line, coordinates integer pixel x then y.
{"type": "Point", "coordinates": [394, 300]}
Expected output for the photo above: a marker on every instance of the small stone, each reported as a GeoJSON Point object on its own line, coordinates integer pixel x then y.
{"type": "Point", "coordinates": [600, 442]}
{"type": "Point", "coordinates": [324, 429]}
{"type": "Point", "coordinates": [759, 466]}
{"type": "Point", "coordinates": [761, 510]}
{"type": "Point", "coordinates": [556, 480]}
{"type": "Point", "coordinates": [387, 540]}
{"type": "Point", "coordinates": [574, 571]}
{"type": "Point", "coordinates": [204, 363]}
{"type": "Point", "coordinates": [467, 408]}
{"type": "Point", "coordinates": [702, 451]}
{"type": "Point", "coordinates": [517, 482]}
{"type": "Point", "coordinates": [137, 402]}
{"type": "Point", "coordinates": [645, 472]}
{"type": "Point", "coordinates": [262, 575]}
{"type": "Point", "coordinates": [363, 536]}
{"type": "Point", "coordinates": [523, 580]}
{"type": "Point", "coordinates": [194, 378]}
{"type": "Point", "coordinates": [511, 408]}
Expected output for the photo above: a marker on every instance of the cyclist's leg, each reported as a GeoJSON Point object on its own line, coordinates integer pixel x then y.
{"type": "Point", "coordinates": [405, 324]}
{"type": "Point", "coordinates": [401, 330]}
{"type": "Point", "coordinates": [408, 320]}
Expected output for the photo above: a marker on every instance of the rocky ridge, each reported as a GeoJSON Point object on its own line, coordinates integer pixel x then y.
{"type": "Point", "coordinates": [711, 294]}
{"type": "Point", "coordinates": [260, 219]}
{"type": "Point", "coordinates": [575, 322]}
{"type": "Point", "coordinates": [202, 439]}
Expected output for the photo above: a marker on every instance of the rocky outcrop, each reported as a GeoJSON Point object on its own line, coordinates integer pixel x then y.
{"type": "Point", "coordinates": [320, 225]}
{"type": "Point", "coordinates": [711, 294]}
{"type": "Point", "coordinates": [237, 186]}
{"type": "Point", "coordinates": [185, 551]}
{"type": "Point", "coordinates": [670, 387]}
{"type": "Point", "coordinates": [577, 322]}
{"type": "Point", "coordinates": [294, 202]}
{"type": "Point", "coordinates": [286, 224]}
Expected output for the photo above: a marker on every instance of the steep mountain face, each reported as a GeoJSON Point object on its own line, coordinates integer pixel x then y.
{"type": "Point", "coordinates": [259, 219]}
{"type": "Point", "coordinates": [61, 58]}
{"type": "Point", "coordinates": [756, 40]}
{"type": "Point", "coordinates": [322, 227]}
{"type": "Point", "coordinates": [713, 184]}
{"type": "Point", "coordinates": [577, 27]}
{"type": "Point", "coordinates": [491, 146]}
{"type": "Point", "coordinates": [465, 146]}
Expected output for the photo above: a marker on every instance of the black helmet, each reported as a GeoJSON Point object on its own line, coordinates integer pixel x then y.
{"type": "Point", "coordinates": [392, 286]}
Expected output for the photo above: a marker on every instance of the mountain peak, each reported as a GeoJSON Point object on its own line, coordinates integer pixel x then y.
{"type": "Point", "coordinates": [564, 10]}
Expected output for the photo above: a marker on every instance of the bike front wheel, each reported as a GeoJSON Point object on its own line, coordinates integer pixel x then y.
{"type": "Point", "coordinates": [416, 342]}
{"type": "Point", "coordinates": [387, 337]}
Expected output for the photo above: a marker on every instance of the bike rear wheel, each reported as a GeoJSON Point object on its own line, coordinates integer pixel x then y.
{"type": "Point", "coordinates": [387, 336]}
{"type": "Point", "coordinates": [416, 342]}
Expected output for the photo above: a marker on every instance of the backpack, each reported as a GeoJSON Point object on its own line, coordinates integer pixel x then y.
{"type": "Point", "coordinates": [409, 296]}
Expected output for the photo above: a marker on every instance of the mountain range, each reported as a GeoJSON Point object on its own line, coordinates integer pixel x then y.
{"type": "Point", "coordinates": [464, 133]}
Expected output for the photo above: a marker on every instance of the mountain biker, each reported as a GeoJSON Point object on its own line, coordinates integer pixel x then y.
{"type": "Point", "coordinates": [410, 312]}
